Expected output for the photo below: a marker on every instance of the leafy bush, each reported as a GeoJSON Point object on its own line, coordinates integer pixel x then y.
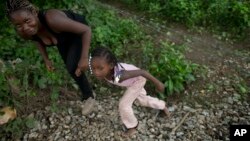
{"type": "Point", "coordinates": [169, 65]}
{"type": "Point", "coordinates": [121, 36]}
{"type": "Point", "coordinates": [16, 128]}
{"type": "Point", "coordinates": [232, 17]}
{"type": "Point", "coordinates": [184, 11]}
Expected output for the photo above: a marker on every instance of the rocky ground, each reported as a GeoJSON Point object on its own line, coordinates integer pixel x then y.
{"type": "Point", "coordinates": [189, 122]}
{"type": "Point", "coordinates": [204, 111]}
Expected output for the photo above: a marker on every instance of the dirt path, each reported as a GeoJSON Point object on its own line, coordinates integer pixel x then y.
{"type": "Point", "coordinates": [227, 65]}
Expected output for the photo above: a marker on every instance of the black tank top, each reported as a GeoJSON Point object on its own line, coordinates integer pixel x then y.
{"type": "Point", "coordinates": [63, 38]}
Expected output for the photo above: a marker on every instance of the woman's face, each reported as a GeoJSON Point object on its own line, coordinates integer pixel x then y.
{"type": "Point", "coordinates": [25, 22]}
{"type": "Point", "coordinates": [100, 68]}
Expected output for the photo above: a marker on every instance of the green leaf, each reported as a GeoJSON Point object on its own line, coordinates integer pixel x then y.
{"type": "Point", "coordinates": [170, 86]}
{"type": "Point", "coordinates": [242, 89]}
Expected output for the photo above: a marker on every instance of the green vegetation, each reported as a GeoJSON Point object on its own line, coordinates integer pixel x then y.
{"type": "Point", "coordinates": [228, 17]}
{"type": "Point", "coordinates": [16, 128]}
{"type": "Point", "coordinates": [127, 40]}
{"type": "Point", "coordinates": [170, 66]}
{"type": "Point", "coordinates": [123, 36]}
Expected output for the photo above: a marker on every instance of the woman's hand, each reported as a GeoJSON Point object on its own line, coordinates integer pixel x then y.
{"type": "Point", "coordinates": [82, 66]}
{"type": "Point", "coordinates": [49, 65]}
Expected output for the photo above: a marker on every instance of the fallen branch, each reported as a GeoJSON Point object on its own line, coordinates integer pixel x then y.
{"type": "Point", "coordinates": [180, 123]}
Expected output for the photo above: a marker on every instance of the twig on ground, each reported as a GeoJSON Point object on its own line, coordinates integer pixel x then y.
{"type": "Point", "coordinates": [180, 123]}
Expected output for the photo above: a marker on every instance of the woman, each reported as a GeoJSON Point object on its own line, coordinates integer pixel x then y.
{"type": "Point", "coordinates": [64, 29]}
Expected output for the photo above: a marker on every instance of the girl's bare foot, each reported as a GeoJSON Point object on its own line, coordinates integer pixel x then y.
{"type": "Point", "coordinates": [130, 131]}
{"type": "Point", "coordinates": [166, 112]}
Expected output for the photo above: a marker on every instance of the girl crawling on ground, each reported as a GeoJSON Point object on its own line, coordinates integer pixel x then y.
{"type": "Point", "coordinates": [103, 64]}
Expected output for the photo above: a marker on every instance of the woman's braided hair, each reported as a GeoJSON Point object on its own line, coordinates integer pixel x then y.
{"type": "Point", "coordinates": [14, 5]}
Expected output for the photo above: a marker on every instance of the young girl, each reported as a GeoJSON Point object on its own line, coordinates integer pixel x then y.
{"type": "Point", "coordinates": [103, 64]}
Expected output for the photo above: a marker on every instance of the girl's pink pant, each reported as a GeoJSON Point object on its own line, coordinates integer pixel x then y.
{"type": "Point", "coordinates": [136, 92]}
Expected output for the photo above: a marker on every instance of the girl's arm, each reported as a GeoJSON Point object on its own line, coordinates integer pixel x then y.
{"type": "Point", "coordinates": [59, 22]}
{"type": "Point", "coordinates": [43, 51]}
{"type": "Point", "coordinates": [134, 73]}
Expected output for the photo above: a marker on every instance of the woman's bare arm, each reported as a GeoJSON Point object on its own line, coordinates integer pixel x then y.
{"type": "Point", "coordinates": [59, 22]}
{"type": "Point", "coordinates": [43, 51]}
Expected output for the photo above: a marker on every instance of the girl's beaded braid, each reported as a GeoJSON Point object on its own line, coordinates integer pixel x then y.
{"type": "Point", "coordinates": [90, 69]}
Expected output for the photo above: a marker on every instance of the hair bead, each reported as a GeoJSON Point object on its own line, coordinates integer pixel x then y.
{"type": "Point", "coordinates": [90, 69]}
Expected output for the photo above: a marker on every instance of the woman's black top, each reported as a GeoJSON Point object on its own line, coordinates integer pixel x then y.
{"type": "Point", "coordinates": [64, 39]}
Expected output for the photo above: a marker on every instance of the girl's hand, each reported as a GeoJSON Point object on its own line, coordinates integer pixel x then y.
{"type": "Point", "coordinates": [160, 87]}
{"type": "Point", "coordinates": [82, 66]}
{"type": "Point", "coordinates": [49, 65]}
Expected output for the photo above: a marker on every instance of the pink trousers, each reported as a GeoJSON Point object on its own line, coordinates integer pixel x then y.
{"type": "Point", "coordinates": [136, 92]}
